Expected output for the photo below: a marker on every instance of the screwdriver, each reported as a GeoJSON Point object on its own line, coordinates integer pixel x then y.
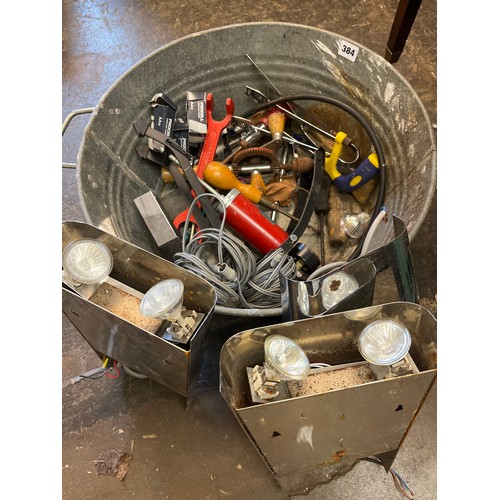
{"type": "Point", "coordinates": [321, 210]}
{"type": "Point", "coordinates": [220, 176]}
{"type": "Point", "coordinates": [276, 123]}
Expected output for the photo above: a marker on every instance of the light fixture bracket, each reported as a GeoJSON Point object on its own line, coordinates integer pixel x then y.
{"type": "Point", "coordinates": [263, 388]}
{"type": "Point", "coordinates": [183, 327]}
{"type": "Point", "coordinates": [405, 366]}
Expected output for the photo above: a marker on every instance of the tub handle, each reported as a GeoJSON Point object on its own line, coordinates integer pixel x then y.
{"type": "Point", "coordinates": [65, 124]}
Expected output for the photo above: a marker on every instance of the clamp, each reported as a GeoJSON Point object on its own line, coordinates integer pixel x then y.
{"type": "Point", "coordinates": [348, 183]}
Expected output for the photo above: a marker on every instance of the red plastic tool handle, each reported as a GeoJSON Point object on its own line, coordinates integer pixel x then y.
{"type": "Point", "coordinates": [214, 129]}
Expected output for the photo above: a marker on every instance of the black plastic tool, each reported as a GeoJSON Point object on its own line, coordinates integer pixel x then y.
{"type": "Point", "coordinates": [321, 208]}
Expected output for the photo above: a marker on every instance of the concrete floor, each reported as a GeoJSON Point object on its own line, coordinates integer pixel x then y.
{"type": "Point", "coordinates": [203, 452]}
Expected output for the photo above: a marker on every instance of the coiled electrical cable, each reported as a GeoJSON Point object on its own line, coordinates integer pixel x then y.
{"type": "Point", "coordinates": [197, 257]}
{"type": "Point", "coordinates": [369, 130]}
{"type": "Point", "coordinates": [263, 289]}
{"type": "Point", "coordinates": [234, 274]}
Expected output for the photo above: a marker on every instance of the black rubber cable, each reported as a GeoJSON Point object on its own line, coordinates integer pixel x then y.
{"type": "Point", "coordinates": [369, 130]}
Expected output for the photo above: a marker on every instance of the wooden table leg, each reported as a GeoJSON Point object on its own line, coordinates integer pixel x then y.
{"type": "Point", "coordinates": [401, 26]}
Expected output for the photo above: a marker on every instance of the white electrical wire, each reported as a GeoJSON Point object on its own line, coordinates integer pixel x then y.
{"type": "Point", "coordinates": [319, 365]}
{"type": "Point", "coordinates": [264, 286]}
{"type": "Point", "coordinates": [233, 311]}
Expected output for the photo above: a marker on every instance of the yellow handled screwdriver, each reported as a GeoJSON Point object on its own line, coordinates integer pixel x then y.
{"type": "Point", "coordinates": [220, 176]}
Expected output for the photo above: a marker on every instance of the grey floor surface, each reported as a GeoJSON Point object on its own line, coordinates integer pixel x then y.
{"type": "Point", "coordinates": [203, 453]}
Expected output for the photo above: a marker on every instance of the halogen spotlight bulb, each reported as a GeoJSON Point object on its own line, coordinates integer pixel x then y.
{"type": "Point", "coordinates": [87, 261]}
{"type": "Point", "coordinates": [163, 300]}
{"type": "Point", "coordinates": [384, 342]}
{"type": "Point", "coordinates": [285, 358]}
{"type": "Point", "coordinates": [354, 225]}
{"type": "Point", "coordinates": [336, 287]}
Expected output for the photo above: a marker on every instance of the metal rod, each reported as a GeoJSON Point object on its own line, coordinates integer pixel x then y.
{"type": "Point", "coordinates": [286, 136]}
{"type": "Point", "coordinates": [305, 122]}
{"type": "Point", "coordinates": [74, 113]}
{"type": "Point", "coordinates": [264, 75]}
{"type": "Point", "coordinates": [302, 122]}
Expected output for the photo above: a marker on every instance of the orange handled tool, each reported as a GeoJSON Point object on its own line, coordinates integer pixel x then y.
{"type": "Point", "coordinates": [220, 176]}
{"type": "Point", "coordinates": [276, 123]}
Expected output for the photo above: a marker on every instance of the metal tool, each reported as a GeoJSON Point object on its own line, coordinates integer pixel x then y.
{"type": "Point", "coordinates": [182, 157]}
{"type": "Point", "coordinates": [220, 176]}
{"type": "Point", "coordinates": [273, 86]}
{"type": "Point", "coordinates": [264, 130]}
{"type": "Point", "coordinates": [300, 165]}
{"type": "Point", "coordinates": [255, 134]}
{"type": "Point", "coordinates": [191, 177]}
{"type": "Point", "coordinates": [281, 172]}
{"type": "Point", "coordinates": [306, 209]}
{"type": "Point", "coordinates": [257, 152]}
{"type": "Point", "coordinates": [214, 129]}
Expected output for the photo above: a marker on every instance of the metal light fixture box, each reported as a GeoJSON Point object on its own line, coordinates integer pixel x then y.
{"type": "Point", "coordinates": [109, 316]}
{"type": "Point", "coordinates": [316, 434]}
